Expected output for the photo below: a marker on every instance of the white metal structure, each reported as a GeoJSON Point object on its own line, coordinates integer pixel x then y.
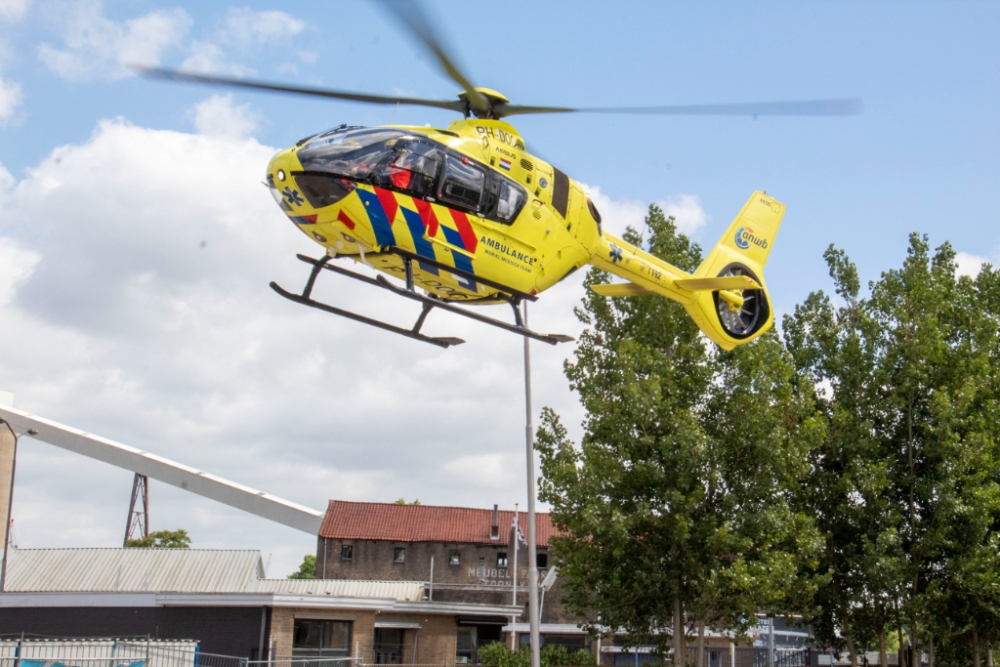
{"type": "Point", "coordinates": [164, 470]}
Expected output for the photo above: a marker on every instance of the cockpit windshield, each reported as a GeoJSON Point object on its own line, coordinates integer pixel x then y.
{"type": "Point", "coordinates": [407, 163]}
{"type": "Point", "coordinates": [353, 153]}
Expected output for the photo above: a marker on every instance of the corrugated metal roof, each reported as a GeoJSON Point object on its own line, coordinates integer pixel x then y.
{"type": "Point", "coordinates": [132, 570]}
{"type": "Point", "coordinates": [176, 571]}
{"type": "Point", "coordinates": [425, 523]}
{"type": "Point", "coordinates": [403, 591]}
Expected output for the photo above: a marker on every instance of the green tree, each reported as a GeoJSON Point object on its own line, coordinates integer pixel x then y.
{"type": "Point", "coordinates": [671, 507]}
{"type": "Point", "coordinates": [905, 485]}
{"type": "Point", "coordinates": [163, 539]}
{"type": "Point", "coordinates": [846, 490]}
{"type": "Point", "coordinates": [307, 570]}
{"type": "Point", "coordinates": [402, 501]}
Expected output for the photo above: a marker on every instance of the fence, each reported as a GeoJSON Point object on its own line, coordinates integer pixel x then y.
{"type": "Point", "coordinates": [132, 652]}
{"type": "Point", "coordinates": [758, 657]}
{"type": "Point", "coordinates": [298, 661]}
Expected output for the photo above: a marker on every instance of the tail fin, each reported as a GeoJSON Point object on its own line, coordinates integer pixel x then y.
{"type": "Point", "coordinates": [726, 296]}
{"type": "Point", "coordinates": [742, 251]}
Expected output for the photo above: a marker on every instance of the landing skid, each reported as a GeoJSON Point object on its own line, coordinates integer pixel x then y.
{"type": "Point", "coordinates": [512, 297]}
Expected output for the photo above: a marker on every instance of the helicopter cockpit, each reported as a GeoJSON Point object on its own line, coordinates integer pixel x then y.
{"type": "Point", "coordinates": [415, 165]}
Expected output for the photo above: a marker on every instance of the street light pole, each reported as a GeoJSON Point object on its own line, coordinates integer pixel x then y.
{"type": "Point", "coordinates": [529, 438]}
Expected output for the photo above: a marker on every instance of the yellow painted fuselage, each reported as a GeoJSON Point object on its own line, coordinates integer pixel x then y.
{"type": "Point", "coordinates": [471, 198]}
{"type": "Point", "coordinates": [552, 232]}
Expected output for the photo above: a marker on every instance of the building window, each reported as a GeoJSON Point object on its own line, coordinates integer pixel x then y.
{"type": "Point", "coordinates": [399, 555]}
{"type": "Point", "coordinates": [453, 557]}
{"type": "Point", "coordinates": [321, 638]}
{"type": "Point", "coordinates": [388, 646]}
{"type": "Point", "coordinates": [541, 561]}
{"type": "Point", "coordinates": [501, 560]}
{"type": "Point", "coordinates": [347, 552]}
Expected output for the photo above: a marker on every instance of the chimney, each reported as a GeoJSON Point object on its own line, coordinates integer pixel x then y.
{"type": "Point", "coordinates": [495, 528]}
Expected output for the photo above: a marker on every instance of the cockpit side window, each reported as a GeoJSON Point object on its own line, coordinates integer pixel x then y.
{"type": "Point", "coordinates": [504, 199]}
{"type": "Point", "coordinates": [462, 183]}
{"type": "Point", "coordinates": [413, 170]}
{"type": "Point", "coordinates": [509, 202]}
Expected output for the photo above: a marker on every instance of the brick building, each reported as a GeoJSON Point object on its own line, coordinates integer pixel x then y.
{"type": "Point", "coordinates": [221, 599]}
{"type": "Point", "coordinates": [466, 552]}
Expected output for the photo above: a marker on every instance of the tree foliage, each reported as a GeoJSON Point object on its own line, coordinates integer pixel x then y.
{"type": "Point", "coordinates": [848, 471]}
{"type": "Point", "coordinates": [307, 570]}
{"type": "Point", "coordinates": [162, 539]}
{"type": "Point", "coordinates": [496, 654]}
{"type": "Point", "coordinates": [681, 493]}
{"type": "Point", "coordinates": [905, 486]}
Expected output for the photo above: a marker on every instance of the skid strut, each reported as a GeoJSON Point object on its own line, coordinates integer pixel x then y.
{"type": "Point", "coordinates": [429, 303]}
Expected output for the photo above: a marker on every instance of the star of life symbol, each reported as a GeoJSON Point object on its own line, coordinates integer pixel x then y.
{"type": "Point", "coordinates": [293, 196]}
{"type": "Point", "coordinates": [616, 254]}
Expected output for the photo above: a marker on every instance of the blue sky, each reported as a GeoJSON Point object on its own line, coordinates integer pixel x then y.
{"type": "Point", "coordinates": [101, 219]}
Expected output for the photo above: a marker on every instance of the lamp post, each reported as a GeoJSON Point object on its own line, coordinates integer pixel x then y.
{"type": "Point", "coordinates": [529, 438]}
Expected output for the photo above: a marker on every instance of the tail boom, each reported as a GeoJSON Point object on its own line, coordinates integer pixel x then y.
{"type": "Point", "coordinates": [726, 296]}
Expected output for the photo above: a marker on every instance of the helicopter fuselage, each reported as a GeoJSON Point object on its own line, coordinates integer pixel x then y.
{"type": "Point", "coordinates": [469, 196]}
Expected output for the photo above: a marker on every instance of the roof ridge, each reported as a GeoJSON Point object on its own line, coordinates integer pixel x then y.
{"type": "Point", "coordinates": [424, 505]}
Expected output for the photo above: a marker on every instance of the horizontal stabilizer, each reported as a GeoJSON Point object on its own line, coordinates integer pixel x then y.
{"type": "Point", "coordinates": [621, 289]}
{"type": "Point", "coordinates": [713, 284]}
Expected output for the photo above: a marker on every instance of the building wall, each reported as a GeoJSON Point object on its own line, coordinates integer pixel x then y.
{"type": "Point", "coordinates": [231, 631]}
{"type": "Point", "coordinates": [466, 582]}
{"type": "Point", "coordinates": [436, 638]}
{"type": "Point", "coordinates": [373, 559]}
{"type": "Point", "coordinates": [283, 625]}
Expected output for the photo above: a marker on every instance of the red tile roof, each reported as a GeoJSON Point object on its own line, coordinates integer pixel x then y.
{"type": "Point", "coordinates": [424, 523]}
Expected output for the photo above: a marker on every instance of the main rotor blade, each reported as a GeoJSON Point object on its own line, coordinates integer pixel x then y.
{"type": "Point", "coordinates": [413, 18]}
{"type": "Point", "coordinates": [214, 80]}
{"type": "Point", "coordinates": [841, 107]}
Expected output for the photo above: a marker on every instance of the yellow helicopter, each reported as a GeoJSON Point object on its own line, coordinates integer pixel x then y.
{"type": "Point", "coordinates": [467, 215]}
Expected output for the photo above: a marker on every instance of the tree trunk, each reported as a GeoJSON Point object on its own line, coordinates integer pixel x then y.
{"type": "Point", "coordinates": [699, 661]}
{"type": "Point", "coordinates": [883, 657]}
{"type": "Point", "coordinates": [989, 657]}
{"type": "Point", "coordinates": [901, 651]}
{"type": "Point", "coordinates": [975, 647]}
{"type": "Point", "coordinates": [851, 650]}
{"type": "Point", "coordinates": [930, 652]}
{"type": "Point", "coordinates": [678, 629]}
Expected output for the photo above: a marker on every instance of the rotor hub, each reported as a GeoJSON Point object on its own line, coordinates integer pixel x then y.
{"type": "Point", "coordinates": [494, 100]}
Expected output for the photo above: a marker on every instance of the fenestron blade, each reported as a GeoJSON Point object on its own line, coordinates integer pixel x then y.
{"type": "Point", "coordinates": [413, 18]}
{"type": "Point", "coordinates": [215, 80]}
{"type": "Point", "coordinates": [836, 107]}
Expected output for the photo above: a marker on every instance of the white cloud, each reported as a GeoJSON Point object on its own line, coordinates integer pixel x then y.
{"type": "Point", "coordinates": [688, 212]}
{"type": "Point", "coordinates": [243, 28]}
{"type": "Point", "coordinates": [13, 10]}
{"type": "Point", "coordinates": [10, 98]}
{"type": "Point", "coordinates": [210, 57]}
{"type": "Point", "coordinates": [217, 116]}
{"type": "Point", "coordinates": [16, 265]}
{"type": "Point", "coordinates": [135, 292]}
{"type": "Point", "coordinates": [490, 471]}
{"type": "Point", "coordinates": [969, 264]}
{"type": "Point", "coordinates": [618, 214]}
{"type": "Point", "coordinates": [247, 27]}
{"type": "Point", "coordinates": [97, 47]}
